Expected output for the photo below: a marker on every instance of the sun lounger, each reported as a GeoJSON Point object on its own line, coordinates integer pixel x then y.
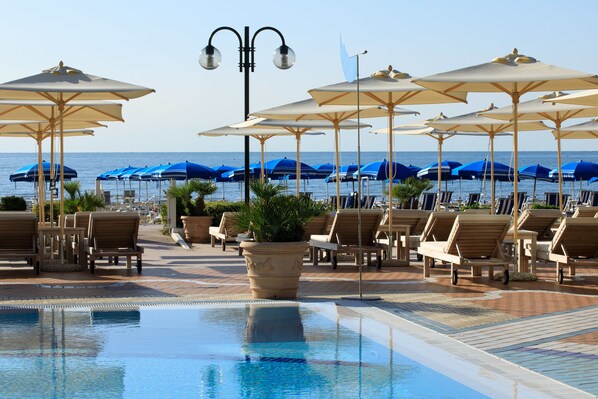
{"type": "Point", "coordinates": [586, 212]}
{"type": "Point", "coordinates": [113, 234]}
{"type": "Point", "coordinates": [18, 237]}
{"type": "Point", "coordinates": [505, 206]}
{"type": "Point", "coordinates": [472, 198]}
{"type": "Point", "coordinates": [225, 232]}
{"type": "Point", "coordinates": [343, 236]}
{"type": "Point", "coordinates": [475, 241]}
{"type": "Point", "coordinates": [316, 226]}
{"type": "Point", "coordinates": [574, 243]}
{"type": "Point", "coordinates": [438, 226]}
{"type": "Point", "coordinates": [428, 201]}
{"type": "Point", "coordinates": [539, 220]}
{"type": "Point", "coordinates": [413, 219]}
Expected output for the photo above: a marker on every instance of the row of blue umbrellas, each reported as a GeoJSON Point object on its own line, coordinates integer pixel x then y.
{"type": "Point", "coordinates": [284, 167]}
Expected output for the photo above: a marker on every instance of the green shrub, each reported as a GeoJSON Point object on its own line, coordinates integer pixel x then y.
{"type": "Point", "coordinates": [13, 203]}
{"type": "Point", "coordinates": [47, 211]}
{"type": "Point", "coordinates": [215, 209]}
{"type": "Point", "coordinates": [543, 206]}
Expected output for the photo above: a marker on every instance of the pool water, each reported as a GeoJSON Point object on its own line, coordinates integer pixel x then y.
{"type": "Point", "coordinates": [233, 351]}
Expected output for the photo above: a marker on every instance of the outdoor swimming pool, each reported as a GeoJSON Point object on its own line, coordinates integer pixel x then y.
{"type": "Point", "coordinates": [315, 350]}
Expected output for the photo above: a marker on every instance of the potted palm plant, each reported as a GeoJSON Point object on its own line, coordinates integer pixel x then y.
{"type": "Point", "coordinates": [274, 257]}
{"type": "Point", "coordinates": [196, 222]}
{"type": "Point", "coordinates": [408, 192]}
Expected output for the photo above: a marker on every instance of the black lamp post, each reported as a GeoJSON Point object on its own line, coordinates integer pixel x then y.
{"type": "Point", "coordinates": [210, 58]}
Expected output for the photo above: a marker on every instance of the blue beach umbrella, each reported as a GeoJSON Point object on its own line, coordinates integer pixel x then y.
{"type": "Point", "coordinates": [284, 166]}
{"type": "Point", "coordinates": [29, 173]}
{"type": "Point", "coordinates": [446, 168]}
{"type": "Point", "coordinates": [104, 176]}
{"type": "Point", "coordinates": [535, 172]}
{"type": "Point", "coordinates": [185, 171]}
{"type": "Point", "coordinates": [345, 173]}
{"type": "Point", "coordinates": [481, 170]}
{"type": "Point", "coordinates": [414, 169]}
{"type": "Point", "coordinates": [380, 171]}
{"type": "Point", "coordinates": [221, 179]}
{"type": "Point", "coordinates": [255, 170]}
{"type": "Point", "coordinates": [573, 171]}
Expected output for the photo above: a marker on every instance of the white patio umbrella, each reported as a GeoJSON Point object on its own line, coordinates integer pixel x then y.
{"type": "Point", "coordinates": [544, 108]}
{"type": "Point", "coordinates": [514, 74]}
{"type": "Point", "coordinates": [61, 85]}
{"type": "Point", "coordinates": [388, 88]}
{"type": "Point", "coordinates": [476, 123]}
{"type": "Point", "coordinates": [310, 110]}
{"type": "Point", "coordinates": [427, 128]}
{"type": "Point", "coordinates": [260, 133]}
{"type": "Point", "coordinates": [40, 131]}
{"type": "Point", "coordinates": [298, 128]}
{"type": "Point", "coordinates": [586, 97]}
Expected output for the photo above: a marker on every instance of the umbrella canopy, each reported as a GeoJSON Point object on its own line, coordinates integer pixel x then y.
{"type": "Point", "coordinates": [131, 174]}
{"type": "Point", "coordinates": [544, 108]}
{"type": "Point", "coordinates": [73, 111]}
{"type": "Point", "coordinates": [239, 174]}
{"type": "Point", "coordinates": [414, 169]}
{"type": "Point", "coordinates": [580, 170]}
{"type": "Point", "coordinates": [335, 114]}
{"type": "Point", "coordinates": [117, 173]}
{"type": "Point", "coordinates": [388, 88]}
{"type": "Point", "coordinates": [261, 134]}
{"type": "Point", "coordinates": [64, 84]}
{"type": "Point", "coordinates": [586, 97]}
{"type": "Point", "coordinates": [535, 172]}
{"type": "Point", "coordinates": [285, 166]}
{"type": "Point", "coordinates": [380, 171]}
{"type": "Point", "coordinates": [345, 173]}
{"type": "Point", "coordinates": [481, 170]}
{"type": "Point", "coordinates": [514, 74]}
{"type": "Point", "coordinates": [446, 168]}
{"type": "Point", "coordinates": [586, 130]}
{"type": "Point", "coordinates": [30, 173]}
{"type": "Point", "coordinates": [185, 171]}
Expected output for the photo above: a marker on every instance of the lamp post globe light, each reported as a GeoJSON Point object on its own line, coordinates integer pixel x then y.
{"type": "Point", "coordinates": [210, 58]}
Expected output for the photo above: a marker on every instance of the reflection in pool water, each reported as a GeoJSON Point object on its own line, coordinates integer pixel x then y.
{"type": "Point", "coordinates": [245, 351]}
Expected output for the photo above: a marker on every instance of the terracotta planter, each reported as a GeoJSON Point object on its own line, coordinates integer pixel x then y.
{"type": "Point", "coordinates": [196, 228]}
{"type": "Point", "coordinates": [274, 268]}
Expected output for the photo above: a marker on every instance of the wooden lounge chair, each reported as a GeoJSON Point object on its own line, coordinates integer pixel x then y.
{"type": "Point", "coordinates": [475, 241]}
{"type": "Point", "coordinates": [473, 198]}
{"type": "Point", "coordinates": [505, 206]}
{"type": "Point", "coordinates": [113, 234]}
{"type": "Point", "coordinates": [415, 219]}
{"type": "Point", "coordinates": [438, 226]}
{"type": "Point", "coordinates": [18, 237]}
{"type": "Point", "coordinates": [428, 201]}
{"type": "Point", "coordinates": [574, 243]}
{"type": "Point", "coordinates": [225, 232]}
{"type": "Point", "coordinates": [82, 220]}
{"type": "Point", "coordinates": [540, 221]}
{"type": "Point", "coordinates": [316, 226]}
{"type": "Point", "coordinates": [586, 212]}
{"type": "Point", "coordinates": [343, 236]}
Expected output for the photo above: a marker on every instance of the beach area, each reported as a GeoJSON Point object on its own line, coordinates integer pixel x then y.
{"type": "Point", "coordinates": [299, 200]}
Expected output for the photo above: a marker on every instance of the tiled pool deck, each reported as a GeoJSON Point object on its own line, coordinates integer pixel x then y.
{"type": "Point", "coordinates": [543, 326]}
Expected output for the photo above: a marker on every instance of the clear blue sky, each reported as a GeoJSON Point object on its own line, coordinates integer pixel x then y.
{"type": "Point", "coordinates": [157, 43]}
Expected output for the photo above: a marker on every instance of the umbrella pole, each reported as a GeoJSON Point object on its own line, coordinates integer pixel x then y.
{"type": "Point", "coordinates": [262, 175]}
{"type": "Point", "coordinates": [534, 196]}
{"type": "Point", "coordinates": [492, 186]}
{"type": "Point", "coordinates": [439, 174]}
{"type": "Point", "coordinates": [515, 99]}
{"type": "Point", "coordinates": [390, 108]}
{"type": "Point", "coordinates": [61, 217]}
{"type": "Point", "coordinates": [338, 175]}
{"type": "Point", "coordinates": [40, 179]}
{"type": "Point", "coordinates": [559, 161]}
{"type": "Point", "coordinates": [52, 169]}
{"type": "Point", "coordinates": [298, 164]}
